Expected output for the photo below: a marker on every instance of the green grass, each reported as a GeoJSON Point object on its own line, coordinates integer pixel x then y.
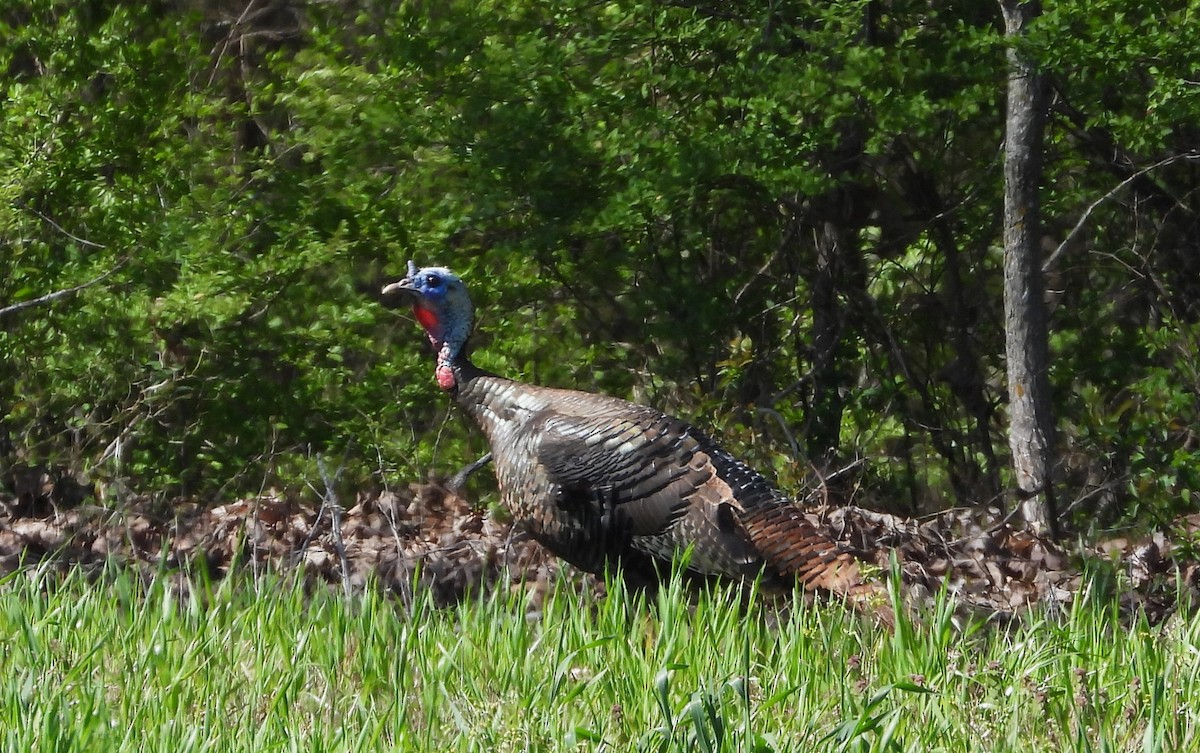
{"type": "Point", "coordinates": [118, 665]}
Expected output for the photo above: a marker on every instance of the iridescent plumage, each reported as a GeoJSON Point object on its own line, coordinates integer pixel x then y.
{"type": "Point", "coordinates": [602, 481]}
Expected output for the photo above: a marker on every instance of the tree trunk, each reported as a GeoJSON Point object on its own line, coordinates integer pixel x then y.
{"type": "Point", "coordinates": [1031, 425]}
{"type": "Point", "coordinates": [824, 424]}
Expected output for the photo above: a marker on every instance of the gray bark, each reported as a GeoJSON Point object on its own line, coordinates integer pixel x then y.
{"type": "Point", "coordinates": [1031, 423]}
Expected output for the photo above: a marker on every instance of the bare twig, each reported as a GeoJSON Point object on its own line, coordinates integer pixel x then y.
{"type": "Point", "coordinates": [228, 40]}
{"type": "Point", "coordinates": [779, 419]}
{"type": "Point", "coordinates": [60, 228]}
{"type": "Point", "coordinates": [1101, 489]}
{"type": "Point", "coordinates": [389, 514]}
{"type": "Point", "coordinates": [737, 299]}
{"type": "Point", "coordinates": [822, 487]}
{"type": "Point", "coordinates": [312, 532]}
{"type": "Point", "coordinates": [1014, 512]}
{"type": "Point", "coordinates": [330, 500]}
{"type": "Point", "coordinates": [255, 528]}
{"type": "Point", "coordinates": [845, 469]}
{"type": "Point", "coordinates": [803, 379]}
{"type": "Point", "coordinates": [50, 297]}
{"type": "Point", "coordinates": [1058, 252]}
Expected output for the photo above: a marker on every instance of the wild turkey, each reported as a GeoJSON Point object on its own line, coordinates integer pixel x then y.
{"type": "Point", "coordinates": [599, 480]}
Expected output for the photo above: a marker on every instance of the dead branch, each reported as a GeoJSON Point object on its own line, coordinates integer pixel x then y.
{"type": "Point", "coordinates": [51, 297]}
{"type": "Point", "coordinates": [1087, 213]}
{"type": "Point", "coordinates": [330, 500]}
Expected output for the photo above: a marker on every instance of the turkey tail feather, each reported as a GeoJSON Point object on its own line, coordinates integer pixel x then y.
{"type": "Point", "coordinates": [793, 547]}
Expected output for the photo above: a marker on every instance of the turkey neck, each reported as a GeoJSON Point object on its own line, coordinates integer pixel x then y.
{"type": "Point", "coordinates": [492, 401]}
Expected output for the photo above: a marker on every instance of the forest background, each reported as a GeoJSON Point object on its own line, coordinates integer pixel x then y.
{"type": "Point", "coordinates": [780, 220]}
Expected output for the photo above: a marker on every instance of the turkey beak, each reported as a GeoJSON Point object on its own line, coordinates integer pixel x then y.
{"type": "Point", "coordinates": [400, 293]}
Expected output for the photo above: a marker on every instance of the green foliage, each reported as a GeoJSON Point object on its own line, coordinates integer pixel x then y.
{"type": "Point", "coordinates": [783, 221]}
{"type": "Point", "coordinates": [235, 327]}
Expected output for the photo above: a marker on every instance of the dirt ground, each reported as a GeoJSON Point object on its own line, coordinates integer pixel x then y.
{"type": "Point", "coordinates": [426, 536]}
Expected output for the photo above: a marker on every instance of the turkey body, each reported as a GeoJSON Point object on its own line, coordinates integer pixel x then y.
{"type": "Point", "coordinates": [601, 481]}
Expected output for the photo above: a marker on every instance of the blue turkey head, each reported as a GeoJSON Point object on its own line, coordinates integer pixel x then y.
{"type": "Point", "coordinates": [441, 305]}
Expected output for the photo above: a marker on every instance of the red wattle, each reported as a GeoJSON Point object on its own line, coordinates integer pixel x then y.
{"type": "Point", "coordinates": [427, 318]}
